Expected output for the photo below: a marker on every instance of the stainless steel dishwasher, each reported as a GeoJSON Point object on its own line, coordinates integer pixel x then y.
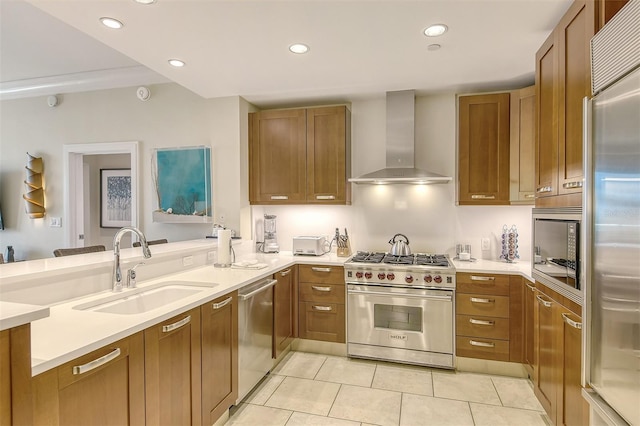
{"type": "Point", "coordinates": [255, 334]}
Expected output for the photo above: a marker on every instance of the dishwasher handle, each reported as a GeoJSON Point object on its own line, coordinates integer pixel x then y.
{"type": "Point", "coordinates": [267, 284]}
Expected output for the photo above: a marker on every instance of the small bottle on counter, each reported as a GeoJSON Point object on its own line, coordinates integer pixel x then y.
{"type": "Point", "coordinates": [10, 255]}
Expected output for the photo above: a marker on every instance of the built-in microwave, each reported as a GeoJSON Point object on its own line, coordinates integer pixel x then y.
{"type": "Point", "coordinates": [556, 247]}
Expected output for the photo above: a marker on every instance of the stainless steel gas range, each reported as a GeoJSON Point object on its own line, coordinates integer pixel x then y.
{"type": "Point", "coordinates": [401, 308]}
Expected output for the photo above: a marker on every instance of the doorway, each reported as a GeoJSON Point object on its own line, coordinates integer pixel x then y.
{"type": "Point", "coordinates": [75, 182]}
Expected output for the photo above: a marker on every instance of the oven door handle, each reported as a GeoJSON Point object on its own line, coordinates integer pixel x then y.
{"type": "Point", "coordinates": [407, 295]}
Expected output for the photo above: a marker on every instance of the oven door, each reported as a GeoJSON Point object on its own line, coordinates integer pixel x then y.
{"type": "Point", "coordinates": [414, 319]}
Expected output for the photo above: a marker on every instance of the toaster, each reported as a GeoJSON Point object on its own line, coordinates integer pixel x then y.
{"type": "Point", "coordinates": [309, 245]}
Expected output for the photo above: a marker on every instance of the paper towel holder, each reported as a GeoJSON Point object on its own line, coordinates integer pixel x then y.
{"type": "Point", "coordinates": [232, 257]}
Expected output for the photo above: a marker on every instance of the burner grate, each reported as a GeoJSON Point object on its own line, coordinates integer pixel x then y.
{"type": "Point", "coordinates": [367, 257]}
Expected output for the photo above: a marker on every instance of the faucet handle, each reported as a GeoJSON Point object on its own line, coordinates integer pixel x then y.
{"type": "Point", "coordinates": [131, 276]}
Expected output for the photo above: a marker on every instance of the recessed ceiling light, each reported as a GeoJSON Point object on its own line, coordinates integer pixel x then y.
{"type": "Point", "coordinates": [111, 23]}
{"type": "Point", "coordinates": [176, 63]}
{"type": "Point", "coordinates": [145, 1]}
{"type": "Point", "coordinates": [433, 47]}
{"type": "Point", "coordinates": [299, 48]}
{"type": "Point", "coordinates": [435, 30]}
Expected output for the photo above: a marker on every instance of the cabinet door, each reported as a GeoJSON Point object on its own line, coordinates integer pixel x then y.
{"type": "Point", "coordinates": [172, 370]}
{"type": "Point", "coordinates": [322, 321]}
{"type": "Point", "coordinates": [546, 385]}
{"type": "Point", "coordinates": [571, 404]}
{"type": "Point", "coordinates": [277, 157]}
{"type": "Point", "coordinates": [5, 383]}
{"type": "Point", "coordinates": [328, 155]}
{"type": "Point", "coordinates": [104, 387]}
{"type": "Point", "coordinates": [219, 356]}
{"type": "Point", "coordinates": [283, 311]}
{"type": "Point", "coordinates": [607, 10]}
{"type": "Point", "coordinates": [546, 152]}
{"type": "Point", "coordinates": [15, 372]}
{"type": "Point", "coordinates": [529, 327]}
{"type": "Point", "coordinates": [574, 68]}
{"type": "Point", "coordinates": [523, 138]}
{"type": "Point", "coordinates": [483, 149]}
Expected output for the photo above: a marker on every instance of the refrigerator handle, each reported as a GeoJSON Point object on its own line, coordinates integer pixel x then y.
{"type": "Point", "coordinates": [586, 235]}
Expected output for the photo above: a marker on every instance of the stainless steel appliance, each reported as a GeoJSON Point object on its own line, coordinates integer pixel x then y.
{"type": "Point", "coordinates": [400, 308]}
{"type": "Point", "coordinates": [255, 334]}
{"type": "Point", "coordinates": [556, 240]}
{"type": "Point", "coordinates": [611, 340]}
{"type": "Point", "coordinates": [270, 234]}
{"type": "Point", "coordinates": [309, 245]}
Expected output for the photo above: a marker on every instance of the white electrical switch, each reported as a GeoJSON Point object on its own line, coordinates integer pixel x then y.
{"type": "Point", "coordinates": [55, 222]}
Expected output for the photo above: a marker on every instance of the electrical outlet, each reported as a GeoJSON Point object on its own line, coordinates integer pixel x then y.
{"type": "Point", "coordinates": [486, 244]}
{"type": "Point", "coordinates": [187, 261]}
{"type": "Point", "coordinates": [211, 255]}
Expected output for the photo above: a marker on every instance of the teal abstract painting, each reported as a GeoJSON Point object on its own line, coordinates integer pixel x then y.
{"type": "Point", "coordinates": [183, 183]}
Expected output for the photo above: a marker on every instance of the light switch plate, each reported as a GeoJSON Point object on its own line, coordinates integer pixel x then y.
{"type": "Point", "coordinates": [486, 244]}
{"type": "Point", "coordinates": [55, 222]}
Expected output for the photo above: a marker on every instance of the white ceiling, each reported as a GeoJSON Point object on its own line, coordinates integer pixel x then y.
{"type": "Point", "coordinates": [359, 48]}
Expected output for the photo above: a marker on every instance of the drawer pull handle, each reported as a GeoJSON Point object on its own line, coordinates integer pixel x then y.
{"type": "Point", "coordinates": [279, 197]}
{"type": "Point", "coordinates": [481, 322]}
{"type": "Point", "coordinates": [318, 288]}
{"type": "Point", "coordinates": [316, 269]}
{"type": "Point", "coordinates": [571, 322]}
{"type": "Point", "coordinates": [544, 302]}
{"type": "Point", "coordinates": [531, 287]}
{"type": "Point", "coordinates": [80, 369]}
{"type": "Point", "coordinates": [321, 308]}
{"type": "Point", "coordinates": [543, 189]}
{"type": "Point", "coordinates": [478, 278]}
{"type": "Point", "coordinates": [571, 185]}
{"type": "Point", "coordinates": [167, 328]}
{"type": "Point", "coordinates": [325, 197]}
{"type": "Point", "coordinates": [285, 273]}
{"type": "Point", "coordinates": [478, 300]}
{"type": "Point", "coordinates": [221, 304]}
{"type": "Point", "coordinates": [482, 344]}
{"type": "Point", "coordinates": [482, 197]}
{"type": "Point", "coordinates": [530, 196]}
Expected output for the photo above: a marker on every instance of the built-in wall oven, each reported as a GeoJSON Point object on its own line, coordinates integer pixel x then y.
{"type": "Point", "coordinates": [401, 308]}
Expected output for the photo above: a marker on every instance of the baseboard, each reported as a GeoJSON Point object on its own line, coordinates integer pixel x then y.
{"type": "Point", "coordinates": [485, 366]}
{"type": "Point", "coordinates": [319, 347]}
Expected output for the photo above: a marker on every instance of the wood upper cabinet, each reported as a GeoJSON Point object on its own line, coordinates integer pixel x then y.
{"type": "Point", "coordinates": [283, 310]}
{"type": "Point", "coordinates": [15, 376]}
{"type": "Point", "coordinates": [606, 9]}
{"type": "Point", "coordinates": [104, 387]}
{"type": "Point", "coordinates": [300, 156]}
{"type": "Point", "coordinates": [563, 79]}
{"type": "Point", "coordinates": [483, 149]}
{"type": "Point", "coordinates": [172, 371]}
{"type": "Point", "coordinates": [219, 356]}
{"type": "Point", "coordinates": [522, 150]}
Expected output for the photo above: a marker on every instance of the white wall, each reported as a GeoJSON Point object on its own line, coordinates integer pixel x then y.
{"type": "Point", "coordinates": [173, 117]}
{"type": "Point", "coordinates": [427, 215]}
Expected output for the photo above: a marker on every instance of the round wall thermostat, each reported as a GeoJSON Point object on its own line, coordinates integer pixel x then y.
{"type": "Point", "coordinates": [143, 93]}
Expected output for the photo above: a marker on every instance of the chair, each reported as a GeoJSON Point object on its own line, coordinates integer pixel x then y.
{"type": "Point", "coordinates": [78, 250]}
{"type": "Point", "coordinates": [151, 242]}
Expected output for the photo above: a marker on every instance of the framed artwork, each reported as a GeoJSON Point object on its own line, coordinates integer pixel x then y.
{"type": "Point", "coordinates": [115, 198]}
{"type": "Point", "coordinates": [182, 178]}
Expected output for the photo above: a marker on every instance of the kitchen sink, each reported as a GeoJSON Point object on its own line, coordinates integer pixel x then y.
{"type": "Point", "coordinates": [145, 299]}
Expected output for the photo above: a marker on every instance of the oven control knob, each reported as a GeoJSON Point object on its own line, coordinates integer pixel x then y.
{"type": "Point", "coordinates": [408, 279]}
{"type": "Point", "coordinates": [391, 276]}
{"type": "Point", "coordinates": [381, 276]}
{"type": "Point", "coordinates": [368, 275]}
{"type": "Point", "coordinates": [437, 279]}
{"type": "Point", "coordinates": [427, 278]}
{"type": "Point", "coordinates": [358, 274]}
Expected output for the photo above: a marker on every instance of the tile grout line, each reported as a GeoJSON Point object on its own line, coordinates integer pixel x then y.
{"type": "Point", "coordinates": [495, 388]}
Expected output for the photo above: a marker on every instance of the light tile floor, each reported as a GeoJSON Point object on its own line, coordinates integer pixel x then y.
{"type": "Point", "coordinates": [314, 389]}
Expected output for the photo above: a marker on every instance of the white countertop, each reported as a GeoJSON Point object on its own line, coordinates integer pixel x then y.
{"type": "Point", "coordinates": [16, 314]}
{"type": "Point", "coordinates": [522, 268]}
{"type": "Point", "coordinates": [69, 333]}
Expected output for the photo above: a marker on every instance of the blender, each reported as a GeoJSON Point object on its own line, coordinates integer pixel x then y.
{"type": "Point", "coordinates": [270, 241]}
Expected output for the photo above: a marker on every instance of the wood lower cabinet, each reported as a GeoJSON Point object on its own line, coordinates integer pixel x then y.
{"type": "Point", "coordinates": [104, 387]}
{"type": "Point", "coordinates": [300, 156]}
{"type": "Point", "coordinates": [489, 316]}
{"type": "Point", "coordinates": [322, 303]}
{"type": "Point", "coordinates": [283, 310]}
{"type": "Point", "coordinates": [219, 356]}
{"type": "Point", "coordinates": [558, 358]}
{"type": "Point", "coordinates": [483, 149]}
{"type": "Point", "coordinates": [15, 376]}
{"type": "Point", "coordinates": [530, 302]}
{"type": "Point", "coordinates": [172, 370]}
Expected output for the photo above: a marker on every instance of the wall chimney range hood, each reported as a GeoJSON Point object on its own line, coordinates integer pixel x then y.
{"type": "Point", "coordinates": [400, 146]}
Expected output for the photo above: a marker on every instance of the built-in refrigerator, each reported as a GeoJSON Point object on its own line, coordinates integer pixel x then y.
{"type": "Point", "coordinates": [611, 217]}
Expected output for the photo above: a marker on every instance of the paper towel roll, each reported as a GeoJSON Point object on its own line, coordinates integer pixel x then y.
{"type": "Point", "coordinates": [224, 246]}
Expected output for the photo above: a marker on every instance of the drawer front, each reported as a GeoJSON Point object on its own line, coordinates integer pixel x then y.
{"type": "Point", "coordinates": [482, 283]}
{"type": "Point", "coordinates": [322, 321]}
{"type": "Point", "coordinates": [472, 347]}
{"type": "Point", "coordinates": [323, 293]}
{"type": "Point", "coordinates": [482, 304]}
{"type": "Point", "coordinates": [321, 274]}
{"type": "Point", "coordinates": [479, 326]}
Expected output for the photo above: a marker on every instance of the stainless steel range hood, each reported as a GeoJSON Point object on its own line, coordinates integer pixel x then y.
{"type": "Point", "coordinates": [400, 146]}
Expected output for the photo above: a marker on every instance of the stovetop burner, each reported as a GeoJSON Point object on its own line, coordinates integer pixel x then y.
{"type": "Point", "coordinates": [367, 257]}
{"type": "Point", "coordinates": [422, 259]}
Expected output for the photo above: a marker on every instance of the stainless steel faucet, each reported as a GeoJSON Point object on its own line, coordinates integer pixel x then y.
{"type": "Point", "coordinates": [117, 274]}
